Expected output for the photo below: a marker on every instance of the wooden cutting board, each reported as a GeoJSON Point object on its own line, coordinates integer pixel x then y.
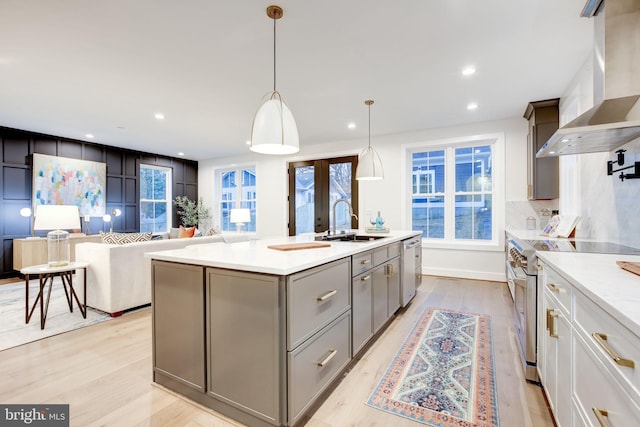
{"type": "Point", "coordinates": [298, 246]}
{"type": "Point", "coordinates": [633, 267]}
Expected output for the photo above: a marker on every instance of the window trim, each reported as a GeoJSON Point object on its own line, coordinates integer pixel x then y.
{"type": "Point", "coordinates": [498, 140]}
{"type": "Point", "coordinates": [169, 185]}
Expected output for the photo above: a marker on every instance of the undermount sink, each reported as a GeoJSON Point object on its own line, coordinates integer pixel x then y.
{"type": "Point", "coordinates": [349, 237]}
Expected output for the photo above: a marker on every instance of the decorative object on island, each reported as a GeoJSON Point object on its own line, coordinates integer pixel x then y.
{"type": "Point", "coordinates": [240, 216]}
{"type": "Point", "coordinates": [191, 213]}
{"type": "Point", "coordinates": [57, 218]}
{"type": "Point", "coordinates": [274, 129]}
{"type": "Point", "coordinates": [27, 212]}
{"type": "Point", "coordinates": [369, 163]}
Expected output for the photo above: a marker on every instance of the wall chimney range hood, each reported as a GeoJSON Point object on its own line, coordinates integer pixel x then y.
{"type": "Point", "coordinates": [615, 118]}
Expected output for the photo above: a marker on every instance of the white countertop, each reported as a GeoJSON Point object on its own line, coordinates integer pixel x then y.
{"type": "Point", "coordinates": [615, 290]}
{"type": "Point", "coordinates": [255, 256]}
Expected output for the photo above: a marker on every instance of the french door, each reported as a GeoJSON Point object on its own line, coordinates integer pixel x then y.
{"type": "Point", "coordinates": [314, 186]}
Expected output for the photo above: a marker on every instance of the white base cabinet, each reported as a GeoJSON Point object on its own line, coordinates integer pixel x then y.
{"type": "Point", "coordinates": [588, 360]}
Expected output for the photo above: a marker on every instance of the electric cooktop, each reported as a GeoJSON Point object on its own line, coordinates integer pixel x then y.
{"type": "Point", "coordinates": [570, 245]}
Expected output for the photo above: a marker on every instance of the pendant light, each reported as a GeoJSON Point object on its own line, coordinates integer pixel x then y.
{"type": "Point", "coordinates": [274, 129]}
{"type": "Point", "coordinates": [369, 163]}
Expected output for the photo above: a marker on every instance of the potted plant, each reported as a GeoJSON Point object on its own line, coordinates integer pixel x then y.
{"type": "Point", "coordinates": [190, 212]}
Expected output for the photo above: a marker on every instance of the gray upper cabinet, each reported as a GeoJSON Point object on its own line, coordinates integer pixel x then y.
{"type": "Point", "coordinates": [542, 173]}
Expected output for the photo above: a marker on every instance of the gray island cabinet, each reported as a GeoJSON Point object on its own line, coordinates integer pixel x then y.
{"type": "Point", "coordinates": [261, 344]}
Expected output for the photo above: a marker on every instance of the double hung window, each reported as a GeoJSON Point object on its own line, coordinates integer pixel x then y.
{"type": "Point", "coordinates": [155, 198]}
{"type": "Point", "coordinates": [452, 191]}
{"type": "Point", "coordinates": [237, 189]}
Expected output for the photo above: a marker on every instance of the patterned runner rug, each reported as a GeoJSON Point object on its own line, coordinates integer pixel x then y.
{"type": "Point", "coordinates": [444, 373]}
{"type": "Point", "coordinates": [14, 331]}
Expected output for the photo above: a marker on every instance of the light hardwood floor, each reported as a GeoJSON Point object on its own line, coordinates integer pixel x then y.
{"type": "Point", "coordinates": [104, 371]}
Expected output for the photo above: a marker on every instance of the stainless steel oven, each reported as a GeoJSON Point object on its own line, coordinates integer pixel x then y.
{"type": "Point", "coordinates": [522, 277]}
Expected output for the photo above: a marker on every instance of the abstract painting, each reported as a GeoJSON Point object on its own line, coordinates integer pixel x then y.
{"type": "Point", "coordinates": [64, 181]}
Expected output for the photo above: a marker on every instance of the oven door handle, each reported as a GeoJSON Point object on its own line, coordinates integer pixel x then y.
{"type": "Point", "coordinates": [512, 273]}
{"type": "Point", "coordinates": [520, 282]}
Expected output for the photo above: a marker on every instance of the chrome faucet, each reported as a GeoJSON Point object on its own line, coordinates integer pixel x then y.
{"type": "Point", "coordinates": [334, 212]}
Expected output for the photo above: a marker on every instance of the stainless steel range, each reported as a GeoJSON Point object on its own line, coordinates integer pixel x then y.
{"type": "Point", "coordinates": [522, 277]}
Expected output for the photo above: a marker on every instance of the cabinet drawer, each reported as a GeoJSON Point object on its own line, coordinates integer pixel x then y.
{"type": "Point", "coordinates": [315, 297]}
{"type": "Point", "coordinates": [361, 262]}
{"type": "Point", "coordinates": [313, 365]}
{"type": "Point", "coordinates": [596, 388]}
{"type": "Point", "coordinates": [559, 288]}
{"type": "Point", "coordinates": [385, 253]}
{"type": "Point", "coordinates": [591, 319]}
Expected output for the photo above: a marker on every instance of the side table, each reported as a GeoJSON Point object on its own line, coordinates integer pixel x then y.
{"type": "Point", "coordinates": [46, 274]}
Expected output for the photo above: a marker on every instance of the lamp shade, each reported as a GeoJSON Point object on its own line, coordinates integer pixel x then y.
{"type": "Point", "coordinates": [369, 165]}
{"type": "Point", "coordinates": [274, 129]}
{"type": "Point", "coordinates": [57, 217]}
{"type": "Point", "coordinates": [240, 216]}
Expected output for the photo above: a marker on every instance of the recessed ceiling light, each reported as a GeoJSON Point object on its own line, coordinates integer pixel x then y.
{"type": "Point", "coordinates": [472, 106]}
{"type": "Point", "coordinates": [468, 71]}
{"type": "Point", "coordinates": [180, 153]}
{"type": "Point", "coordinates": [351, 125]}
{"type": "Point", "coordinates": [159, 116]}
{"type": "Point", "coordinates": [88, 135]}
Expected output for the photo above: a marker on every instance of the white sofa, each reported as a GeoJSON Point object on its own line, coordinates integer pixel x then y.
{"type": "Point", "coordinates": [119, 276]}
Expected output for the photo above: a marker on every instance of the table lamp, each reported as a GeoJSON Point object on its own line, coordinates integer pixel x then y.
{"type": "Point", "coordinates": [57, 218]}
{"type": "Point", "coordinates": [239, 217]}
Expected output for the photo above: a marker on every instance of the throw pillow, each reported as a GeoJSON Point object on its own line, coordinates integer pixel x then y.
{"type": "Point", "coordinates": [186, 232]}
{"type": "Point", "coordinates": [174, 233]}
{"type": "Point", "coordinates": [123, 238]}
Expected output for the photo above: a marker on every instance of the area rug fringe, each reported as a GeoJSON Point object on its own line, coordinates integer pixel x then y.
{"type": "Point", "coordinates": [443, 375]}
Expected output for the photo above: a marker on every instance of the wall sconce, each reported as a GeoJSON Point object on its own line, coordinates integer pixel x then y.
{"type": "Point", "coordinates": [106, 218]}
{"type": "Point", "coordinates": [27, 212]}
{"type": "Point", "coordinates": [239, 217]}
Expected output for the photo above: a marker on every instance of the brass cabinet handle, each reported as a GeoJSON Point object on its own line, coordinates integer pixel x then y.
{"type": "Point", "coordinates": [365, 261]}
{"type": "Point", "coordinates": [327, 295]}
{"type": "Point", "coordinates": [601, 339]}
{"type": "Point", "coordinates": [553, 287]}
{"type": "Point", "coordinates": [389, 270]}
{"type": "Point", "coordinates": [326, 360]}
{"type": "Point", "coordinates": [600, 414]}
{"type": "Point", "coordinates": [551, 323]}
{"type": "Point", "coordinates": [365, 278]}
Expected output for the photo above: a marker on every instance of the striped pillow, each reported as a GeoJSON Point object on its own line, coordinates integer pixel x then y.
{"type": "Point", "coordinates": [123, 238]}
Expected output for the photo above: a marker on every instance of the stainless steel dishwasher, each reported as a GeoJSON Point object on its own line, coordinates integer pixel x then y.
{"type": "Point", "coordinates": [411, 267]}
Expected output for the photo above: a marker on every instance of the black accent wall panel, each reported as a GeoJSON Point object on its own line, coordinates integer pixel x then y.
{"type": "Point", "coordinates": [114, 189]}
{"type": "Point", "coordinates": [16, 183]}
{"type": "Point", "coordinates": [72, 150]}
{"type": "Point", "coordinates": [18, 147]}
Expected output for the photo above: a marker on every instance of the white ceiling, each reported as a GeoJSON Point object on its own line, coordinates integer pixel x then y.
{"type": "Point", "coordinates": [72, 67]}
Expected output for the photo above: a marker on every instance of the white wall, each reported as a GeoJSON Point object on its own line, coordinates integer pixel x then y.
{"type": "Point", "coordinates": [386, 195]}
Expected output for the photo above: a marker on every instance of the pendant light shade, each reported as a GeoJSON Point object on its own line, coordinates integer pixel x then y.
{"type": "Point", "coordinates": [274, 129]}
{"type": "Point", "coordinates": [369, 163]}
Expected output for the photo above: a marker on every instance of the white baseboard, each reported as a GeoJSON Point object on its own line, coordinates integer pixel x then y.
{"type": "Point", "coordinates": [465, 274]}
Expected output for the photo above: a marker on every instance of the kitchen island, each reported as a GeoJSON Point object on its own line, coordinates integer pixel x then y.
{"type": "Point", "coordinates": [258, 334]}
